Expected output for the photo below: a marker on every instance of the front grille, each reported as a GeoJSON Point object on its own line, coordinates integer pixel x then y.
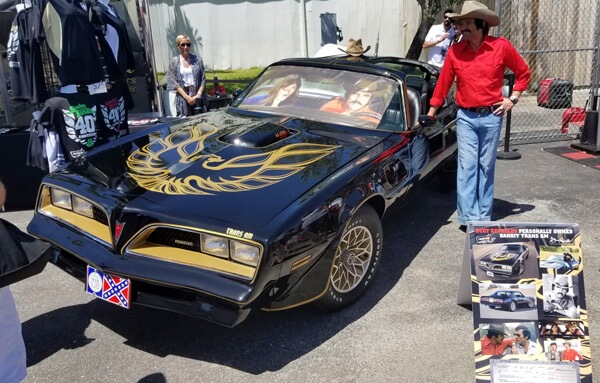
{"type": "Point", "coordinates": [180, 239]}
{"type": "Point", "coordinates": [99, 215]}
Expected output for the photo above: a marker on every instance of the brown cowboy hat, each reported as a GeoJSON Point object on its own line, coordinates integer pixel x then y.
{"type": "Point", "coordinates": [355, 48]}
{"type": "Point", "coordinates": [476, 10]}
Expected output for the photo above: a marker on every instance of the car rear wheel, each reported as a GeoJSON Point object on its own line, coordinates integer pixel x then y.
{"type": "Point", "coordinates": [355, 262]}
{"type": "Point", "coordinates": [513, 306]}
{"type": "Point", "coordinates": [530, 304]}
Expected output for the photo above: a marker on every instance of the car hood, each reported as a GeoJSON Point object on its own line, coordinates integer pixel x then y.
{"type": "Point", "coordinates": [501, 257]}
{"type": "Point", "coordinates": [234, 165]}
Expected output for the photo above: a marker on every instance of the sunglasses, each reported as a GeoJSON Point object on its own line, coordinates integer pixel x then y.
{"type": "Point", "coordinates": [185, 45]}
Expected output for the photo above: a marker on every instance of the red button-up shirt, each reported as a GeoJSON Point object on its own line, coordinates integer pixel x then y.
{"type": "Point", "coordinates": [479, 74]}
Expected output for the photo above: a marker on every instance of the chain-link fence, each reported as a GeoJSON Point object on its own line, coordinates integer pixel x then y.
{"type": "Point", "coordinates": [559, 40]}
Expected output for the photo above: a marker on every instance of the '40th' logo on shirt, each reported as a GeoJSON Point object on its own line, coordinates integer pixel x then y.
{"type": "Point", "coordinates": [114, 114]}
{"type": "Point", "coordinates": [80, 121]}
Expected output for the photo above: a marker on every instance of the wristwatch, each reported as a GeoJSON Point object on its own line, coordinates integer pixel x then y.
{"type": "Point", "coordinates": [513, 99]}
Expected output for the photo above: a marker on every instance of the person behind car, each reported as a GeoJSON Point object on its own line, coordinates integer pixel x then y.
{"type": "Point", "coordinates": [569, 261]}
{"type": "Point", "coordinates": [13, 366]}
{"type": "Point", "coordinates": [284, 93]}
{"type": "Point", "coordinates": [438, 40]}
{"type": "Point", "coordinates": [478, 63]}
{"type": "Point", "coordinates": [355, 51]}
{"type": "Point", "coordinates": [186, 77]}
{"type": "Point", "coordinates": [360, 103]}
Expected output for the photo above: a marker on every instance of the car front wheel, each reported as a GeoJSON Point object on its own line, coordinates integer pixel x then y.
{"type": "Point", "coordinates": [355, 262]}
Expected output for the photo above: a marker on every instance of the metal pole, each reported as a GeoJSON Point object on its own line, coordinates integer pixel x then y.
{"type": "Point", "coordinates": [507, 154]}
{"type": "Point", "coordinates": [303, 28]}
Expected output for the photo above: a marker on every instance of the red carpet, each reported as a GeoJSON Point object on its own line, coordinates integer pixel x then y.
{"type": "Point", "coordinates": [579, 156]}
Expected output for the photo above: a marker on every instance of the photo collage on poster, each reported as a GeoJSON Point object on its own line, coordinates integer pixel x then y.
{"type": "Point", "coordinates": [530, 318]}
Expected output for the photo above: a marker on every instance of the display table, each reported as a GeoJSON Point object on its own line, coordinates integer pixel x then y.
{"type": "Point", "coordinates": [22, 182]}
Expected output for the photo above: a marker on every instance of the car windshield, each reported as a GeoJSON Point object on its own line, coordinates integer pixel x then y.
{"type": "Point", "coordinates": [326, 95]}
{"type": "Point", "coordinates": [512, 248]}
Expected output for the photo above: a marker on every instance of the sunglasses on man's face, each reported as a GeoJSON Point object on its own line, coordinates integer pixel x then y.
{"type": "Point", "coordinates": [185, 45]}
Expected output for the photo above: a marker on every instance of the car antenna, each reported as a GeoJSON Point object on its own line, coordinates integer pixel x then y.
{"type": "Point", "coordinates": [378, 30]}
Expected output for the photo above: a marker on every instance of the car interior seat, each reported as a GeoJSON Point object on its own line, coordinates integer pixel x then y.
{"type": "Point", "coordinates": [414, 104]}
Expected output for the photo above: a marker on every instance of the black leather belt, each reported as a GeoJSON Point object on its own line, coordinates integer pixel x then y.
{"type": "Point", "coordinates": [481, 109]}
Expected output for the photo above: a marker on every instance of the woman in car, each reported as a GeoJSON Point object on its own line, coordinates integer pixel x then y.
{"type": "Point", "coordinates": [284, 93]}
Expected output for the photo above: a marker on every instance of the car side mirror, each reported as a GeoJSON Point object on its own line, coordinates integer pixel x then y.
{"type": "Point", "coordinates": [426, 121]}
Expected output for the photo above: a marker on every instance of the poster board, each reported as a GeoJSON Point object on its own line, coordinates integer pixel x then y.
{"type": "Point", "coordinates": [525, 282]}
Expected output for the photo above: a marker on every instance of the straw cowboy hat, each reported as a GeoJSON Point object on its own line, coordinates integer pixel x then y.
{"type": "Point", "coordinates": [355, 48]}
{"type": "Point", "coordinates": [476, 10]}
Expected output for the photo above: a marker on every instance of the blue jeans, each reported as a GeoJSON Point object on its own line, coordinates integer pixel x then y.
{"type": "Point", "coordinates": [478, 136]}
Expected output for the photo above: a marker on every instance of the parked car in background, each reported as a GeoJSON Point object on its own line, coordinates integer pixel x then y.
{"type": "Point", "coordinates": [507, 261]}
{"type": "Point", "coordinates": [507, 299]}
{"type": "Point", "coordinates": [273, 202]}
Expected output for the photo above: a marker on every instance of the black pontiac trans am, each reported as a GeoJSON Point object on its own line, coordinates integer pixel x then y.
{"type": "Point", "coordinates": [507, 299]}
{"type": "Point", "coordinates": [507, 261]}
{"type": "Point", "coordinates": [253, 206]}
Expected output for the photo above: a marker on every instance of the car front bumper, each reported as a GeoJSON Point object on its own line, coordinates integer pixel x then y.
{"type": "Point", "coordinates": [155, 283]}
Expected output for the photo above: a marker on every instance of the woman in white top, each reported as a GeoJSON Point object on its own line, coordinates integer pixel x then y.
{"type": "Point", "coordinates": [186, 77]}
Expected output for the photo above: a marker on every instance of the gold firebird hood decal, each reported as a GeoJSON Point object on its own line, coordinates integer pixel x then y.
{"type": "Point", "coordinates": [264, 169]}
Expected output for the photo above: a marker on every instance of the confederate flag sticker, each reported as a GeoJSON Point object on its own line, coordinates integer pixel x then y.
{"type": "Point", "coordinates": [108, 287]}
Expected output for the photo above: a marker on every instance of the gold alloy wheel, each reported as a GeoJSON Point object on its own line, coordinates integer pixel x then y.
{"type": "Point", "coordinates": [352, 259]}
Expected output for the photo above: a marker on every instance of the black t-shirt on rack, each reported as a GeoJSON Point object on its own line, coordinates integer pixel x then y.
{"type": "Point", "coordinates": [17, 63]}
{"type": "Point", "coordinates": [71, 39]}
{"type": "Point", "coordinates": [116, 64]}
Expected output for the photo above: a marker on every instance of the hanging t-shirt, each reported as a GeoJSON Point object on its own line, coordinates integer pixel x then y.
{"type": "Point", "coordinates": [112, 35]}
{"type": "Point", "coordinates": [31, 34]}
{"type": "Point", "coordinates": [17, 63]}
{"type": "Point", "coordinates": [73, 117]}
{"type": "Point", "coordinates": [71, 39]}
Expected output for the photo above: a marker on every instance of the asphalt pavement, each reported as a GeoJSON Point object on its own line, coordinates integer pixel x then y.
{"type": "Point", "coordinates": [406, 328]}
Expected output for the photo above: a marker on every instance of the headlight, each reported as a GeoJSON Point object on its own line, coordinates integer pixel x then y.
{"type": "Point", "coordinates": [61, 198]}
{"type": "Point", "coordinates": [244, 253]}
{"type": "Point", "coordinates": [213, 245]}
{"type": "Point", "coordinates": [83, 207]}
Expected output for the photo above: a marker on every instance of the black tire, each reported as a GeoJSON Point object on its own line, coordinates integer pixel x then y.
{"type": "Point", "coordinates": [512, 306]}
{"type": "Point", "coordinates": [530, 304]}
{"type": "Point", "coordinates": [355, 261]}
{"type": "Point", "coordinates": [521, 268]}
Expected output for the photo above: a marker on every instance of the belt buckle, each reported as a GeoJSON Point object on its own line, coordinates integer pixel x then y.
{"type": "Point", "coordinates": [482, 109]}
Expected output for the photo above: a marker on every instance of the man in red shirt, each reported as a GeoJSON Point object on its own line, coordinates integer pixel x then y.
{"type": "Point", "coordinates": [570, 353]}
{"type": "Point", "coordinates": [477, 63]}
{"type": "Point", "coordinates": [494, 343]}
